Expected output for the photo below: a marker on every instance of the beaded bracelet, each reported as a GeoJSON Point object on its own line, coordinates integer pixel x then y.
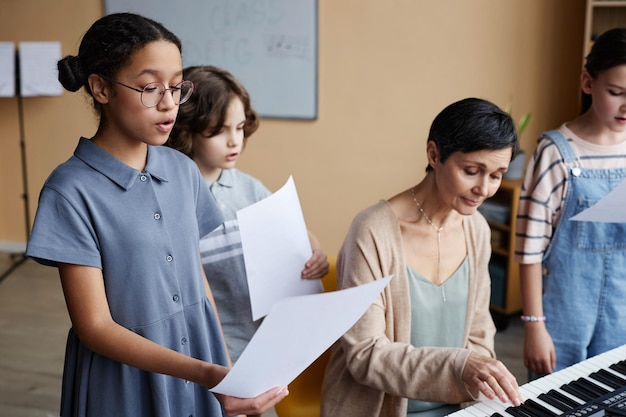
{"type": "Point", "coordinates": [533, 318]}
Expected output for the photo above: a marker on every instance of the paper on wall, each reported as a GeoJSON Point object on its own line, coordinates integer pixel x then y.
{"type": "Point", "coordinates": [7, 69]}
{"type": "Point", "coordinates": [38, 69]}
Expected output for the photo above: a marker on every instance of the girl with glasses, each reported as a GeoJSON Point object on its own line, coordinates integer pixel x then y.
{"type": "Point", "coordinates": [121, 220]}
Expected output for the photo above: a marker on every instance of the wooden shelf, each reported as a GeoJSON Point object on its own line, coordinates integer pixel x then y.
{"type": "Point", "coordinates": [499, 251]}
{"type": "Point", "coordinates": [601, 16]}
{"type": "Point", "coordinates": [608, 3]}
{"type": "Point", "coordinates": [506, 297]}
{"type": "Point", "coordinates": [500, 226]}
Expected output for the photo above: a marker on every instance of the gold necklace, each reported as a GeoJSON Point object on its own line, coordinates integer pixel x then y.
{"type": "Point", "coordinates": [438, 230]}
{"type": "Point", "coordinates": [419, 207]}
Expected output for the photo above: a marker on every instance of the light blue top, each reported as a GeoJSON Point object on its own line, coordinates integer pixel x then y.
{"type": "Point", "coordinates": [222, 258]}
{"type": "Point", "coordinates": [142, 229]}
{"type": "Point", "coordinates": [437, 319]}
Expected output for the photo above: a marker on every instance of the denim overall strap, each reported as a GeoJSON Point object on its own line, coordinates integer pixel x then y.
{"type": "Point", "coordinates": [568, 154]}
{"type": "Point", "coordinates": [584, 279]}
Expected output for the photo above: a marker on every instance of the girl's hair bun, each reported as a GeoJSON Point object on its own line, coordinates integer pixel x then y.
{"type": "Point", "coordinates": [71, 74]}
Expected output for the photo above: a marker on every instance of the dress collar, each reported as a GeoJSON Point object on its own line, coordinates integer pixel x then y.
{"type": "Point", "coordinates": [116, 170]}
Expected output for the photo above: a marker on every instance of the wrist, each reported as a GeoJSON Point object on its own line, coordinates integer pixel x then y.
{"type": "Point", "coordinates": [532, 319]}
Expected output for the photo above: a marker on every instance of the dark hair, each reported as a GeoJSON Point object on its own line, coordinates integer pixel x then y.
{"type": "Point", "coordinates": [108, 46]}
{"type": "Point", "coordinates": [207, 107]}
{"type": "Point", "coordinates": [608, 51]}
{"type": "Point", "coordinates": [470, 125]}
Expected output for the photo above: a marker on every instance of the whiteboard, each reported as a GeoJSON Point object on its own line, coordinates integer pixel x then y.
{"type": "Point", "coordinates": [269, 45]}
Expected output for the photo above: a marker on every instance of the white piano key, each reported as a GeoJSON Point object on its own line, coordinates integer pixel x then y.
{"type": "Point", "coordinates": [602, 363]}
{"type": "Point", "coordinates": [591, 366]}
{"type": "Point", "coordinates": [610, 357]}
{"type": "Point", "coordinates": [611, 362]}
{"type": "Point", "coordinates": [576, 371]}
{"type": "Point", "coordinates": [555, 381]}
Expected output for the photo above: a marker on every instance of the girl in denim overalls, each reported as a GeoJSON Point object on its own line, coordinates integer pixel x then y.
{"type": "Point", "coordinates": [573, 274]}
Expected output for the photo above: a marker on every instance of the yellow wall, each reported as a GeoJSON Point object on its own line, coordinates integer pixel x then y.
{"type": "Point", "coordinates": [386, 68]}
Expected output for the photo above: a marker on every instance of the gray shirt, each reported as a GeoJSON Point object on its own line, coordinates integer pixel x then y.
{"type": "Point", "coordinates": [222, 258]}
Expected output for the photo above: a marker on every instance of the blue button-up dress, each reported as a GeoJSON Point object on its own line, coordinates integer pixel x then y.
{"type": "Point", "coordinates": [142, 229]}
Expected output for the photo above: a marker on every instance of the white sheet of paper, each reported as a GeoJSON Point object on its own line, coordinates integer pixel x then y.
{"type": "Point", "coordinates": [610, 209]}
{"type": "Point", "coordinates": [276, 246]}
{"type": "Point", "coordinates": [7, 69]}
{"type": "Point", "coordinates": [38, 69]}
{"type": "Point", "coordinates": [296, 331]}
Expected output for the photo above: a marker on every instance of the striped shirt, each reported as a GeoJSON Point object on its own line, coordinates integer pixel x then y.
{"type": "Point", "coordinates": [222, 258]}
{"type": "Point", "coordinates": [544, 188]}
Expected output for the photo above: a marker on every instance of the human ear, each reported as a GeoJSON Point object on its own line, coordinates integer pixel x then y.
{"type": "Point", "coordinates": [432, 153]}
{"type": "Point", "coordinates": [99, 88]}
{"type": "Point", "coordinates": [586, 82]}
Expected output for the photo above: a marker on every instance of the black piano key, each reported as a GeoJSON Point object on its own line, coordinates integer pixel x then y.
{"type": "Point", "coordinates": [497, 415]}
{"type": "Point", "coordinates": [611, 375]}
{"type": "Point", "coordinates": [619, 372]}
{"type": "Point", "coordinates": [603, 389]}
{"type": "Point", "coordinates": [575, 384]}
{"type": "Point", "coordinates": [539, 409]}
{"type": "Point", "coordinates": [606, 380]}
{"type": "Point", "coordinates": [617, 368]}
{"type": "Point", "coordinates": [563, 398]}
{"type": "Point", "coordinates": [620, 367]}
{"type": "Point", "coordinates": [591, 387]}
{"type": "Point", "coordinates": [533, 412]}
{"type": "Point", "coordinates": [554, 402]}
{"type": "Point", "coordinates": [576, 392]}
{"type": "Point", "coordinates": [518, 412]}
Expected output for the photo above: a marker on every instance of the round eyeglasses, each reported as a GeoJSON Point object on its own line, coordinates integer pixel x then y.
{"type": "Point", "coordinates": [152, 93]}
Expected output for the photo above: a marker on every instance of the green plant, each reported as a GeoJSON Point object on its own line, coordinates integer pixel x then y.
{"type": "Point", "coordinates": [523, 121]}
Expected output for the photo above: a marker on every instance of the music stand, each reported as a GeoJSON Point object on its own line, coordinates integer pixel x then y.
{"type": "Point", "coordinates": [19, 258]}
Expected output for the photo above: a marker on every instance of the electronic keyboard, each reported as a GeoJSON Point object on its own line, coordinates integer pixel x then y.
{"type": "Point", "coordinates": [595, 387]}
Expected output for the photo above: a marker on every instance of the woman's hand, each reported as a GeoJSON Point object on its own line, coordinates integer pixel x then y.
{"type": "Point", "coordinates": [317, 266]}
{"type": "Point", "coordinates": [487, 376]}
{"type": "Point", "coordinates": [539, 354]}
{"type": "Point", "coordinates": [234, 406]}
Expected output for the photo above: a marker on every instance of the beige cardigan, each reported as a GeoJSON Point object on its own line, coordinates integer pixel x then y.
{"type": "Point", "coordinates": [373, 368]}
